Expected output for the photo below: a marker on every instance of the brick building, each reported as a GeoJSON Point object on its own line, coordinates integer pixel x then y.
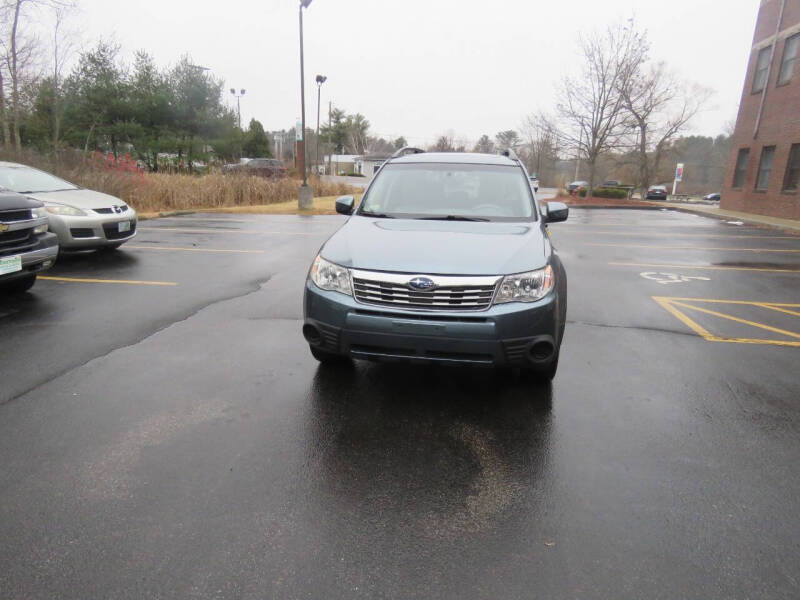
{"type": "Point", "coordinates": [764, 168]}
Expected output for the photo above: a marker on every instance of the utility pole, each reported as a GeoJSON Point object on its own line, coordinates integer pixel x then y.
{"type": "Point", "coordinates": [320, 80]}
{"type": "Point", "coordinates": [305, 195]}
{"type": "Point", "coordinates": [330, 148]}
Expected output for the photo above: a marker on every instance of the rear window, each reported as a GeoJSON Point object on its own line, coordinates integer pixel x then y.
{"type": "Point", "coordinates": [426, 190]}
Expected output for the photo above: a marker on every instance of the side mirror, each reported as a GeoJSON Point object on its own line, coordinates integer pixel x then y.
{"type": "Point", "coordinates": [344, 205]}
{"type": "Point", "coordinates": [556, 212]}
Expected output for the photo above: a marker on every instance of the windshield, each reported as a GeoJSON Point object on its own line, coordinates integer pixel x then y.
{"type": "Point", "coordinates": [450, 191]}
{"type": "Point", "coordinates": [26, 180]}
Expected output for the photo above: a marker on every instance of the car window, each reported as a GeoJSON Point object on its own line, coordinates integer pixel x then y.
{"type": "Point", "coordinates": [420, 190]}
{"type": "Point", "coordinates": [27, 180]}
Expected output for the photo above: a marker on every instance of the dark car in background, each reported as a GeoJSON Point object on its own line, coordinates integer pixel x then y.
{"type": "Point", "coordinates": [26, 246]}
{"type": "Point", "coordinates": [657, 192]}
{"type": "Point", "coordinates": [577, 185]}
{"type": "Point", "coordinates": [258, 167]}
{"type": "Point", "coordinates": [715, 197]}
{"type": "Point", "coordinates": [447, 260]}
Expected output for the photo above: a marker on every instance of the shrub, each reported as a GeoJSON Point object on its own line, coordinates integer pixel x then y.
{"type": "Point", "coordinates": [602, 192]}
{"type": "Point", "coordinates": [354, 175]}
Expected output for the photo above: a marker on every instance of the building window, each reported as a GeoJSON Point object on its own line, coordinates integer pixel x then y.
{"type": "Point", "coordinates": [741, 167]}
{"type": "Point", "coordinates": [792, 177]}
{"type": "Point", "coordinates": [762, 66]}
{"type": "Point", "coordinates": [765, 167]}
{"type": "Point", "coordinates": [789, 55]}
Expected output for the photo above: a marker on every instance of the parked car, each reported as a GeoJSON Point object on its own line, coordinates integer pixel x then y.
{"type": "Point", "coordinates": [82, 219]}
{"type": "Point", "coordinates": [26, 246]}
{"type": "Point", "coordinates": [657, 192]}
{"type": "Point", "coordinates": [534, 182]}
{"type": "Point", "coordinates": [611, 183]}
{"type": "Point", "coordinates": [577, 185]}
{"type": "Point", "coordinates": [715, 197]}
{"type": "Point", "coordinates": [259, 167]}
{"type": "Point", "coordinates": [447, 260]}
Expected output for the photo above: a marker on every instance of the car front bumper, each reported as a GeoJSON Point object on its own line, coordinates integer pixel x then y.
{"type": "Point", "coordinates": [92, 231]}
{"type": "Point", "coordinates": [516, 334]}
{"type": "Point", "coordinates": [36, 260]}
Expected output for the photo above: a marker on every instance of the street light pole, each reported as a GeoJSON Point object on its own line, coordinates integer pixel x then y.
{"type": "Point", "coordinates": [238, 106]}
{"type": "Point", "coordinates": [305, 196]}
{"type": "Point", "coordinates": [320, 80]}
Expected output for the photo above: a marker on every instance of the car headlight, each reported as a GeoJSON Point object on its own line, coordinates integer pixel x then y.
{"type": "Point", "coordinates": [526, 287]}
{"type": "Point", "coordinates": [329, 276]}
{"type": "Point", "coordinates": [39, 213]}
{"type": "Point", "coordinates": [64, 210]}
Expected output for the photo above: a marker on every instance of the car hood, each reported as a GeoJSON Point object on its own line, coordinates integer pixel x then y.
{"type": "Point", "coordinates": [80, 198]}
{"type": "Point", "coordinates": [438, 247]}
{"type": "Point", "coordinates": [15, 201]}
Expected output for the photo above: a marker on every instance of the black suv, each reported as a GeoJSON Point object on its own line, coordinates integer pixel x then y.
{"type": "Point", "coordinates": [26, 246]}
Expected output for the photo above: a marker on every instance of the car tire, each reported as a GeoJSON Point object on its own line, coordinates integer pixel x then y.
{"type": "Point", "coordinates": [328, 358]}
{"type": "Point", "coordinates": [21, 285]}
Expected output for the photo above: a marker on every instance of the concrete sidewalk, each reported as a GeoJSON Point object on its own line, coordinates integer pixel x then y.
{"type": "Point", "coordinates": [732, 215]}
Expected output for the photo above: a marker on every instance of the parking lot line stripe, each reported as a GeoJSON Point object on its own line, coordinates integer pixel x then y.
{"type": "Point", "coordinates": [703, 267]}
{"type": "Point", "coordinates": [674, 235]}
{"type": "Point", "coordinates": [779, 308]}
{"type": "Point", "coordinates": [696, 327]}
{"type": "Point", "coordinates": [176, 248]}
{"type": "Point", "coordinates": [727, 249]}
{"type": "Point", "coordinates": [89, 280]}
{"type": "Point", "coordinates": [238, 231]}
{"type": "Point", "coordinates": [737, 319]}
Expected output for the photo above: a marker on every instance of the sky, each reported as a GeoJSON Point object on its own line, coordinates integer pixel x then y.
{"type": "Point", "coordinates": [421, 68]}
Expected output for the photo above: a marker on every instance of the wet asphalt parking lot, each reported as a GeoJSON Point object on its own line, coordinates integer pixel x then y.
{"type": "Point", "coordinates": [165, 433]}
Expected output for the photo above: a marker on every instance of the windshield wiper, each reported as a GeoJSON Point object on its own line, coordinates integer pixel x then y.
{"type": "Point", "coordinates": [366, 213]}
{"type": "Point", "coordinates": [453, 218]}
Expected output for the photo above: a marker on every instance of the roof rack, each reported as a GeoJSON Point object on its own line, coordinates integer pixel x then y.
{"type": "Point", "coordinates": [407, 150]}
{"type": "Point", "coordinates": [509, 152]}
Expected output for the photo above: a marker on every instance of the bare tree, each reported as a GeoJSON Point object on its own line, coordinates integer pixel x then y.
{"type": "Point", "coordinates": [659, 108]}
{"type": "Point", "coordinates": [21, 51]}
{"type": "Point", "coordinates": [444, 143]}
{"type": "Point", "coordinates": [63, 47]}
{"type": "Point", "coordinates": [541, 141]}
{"type": "Point", "coordinates": [591, 116]}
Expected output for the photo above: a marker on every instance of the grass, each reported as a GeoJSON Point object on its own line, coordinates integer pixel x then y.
{"type": "Point", "coordinates": [153, 193]}
{"type": "Point", "coordinates": [324, 205]}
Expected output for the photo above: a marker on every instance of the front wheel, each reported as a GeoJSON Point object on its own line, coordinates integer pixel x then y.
{"type": "Point", "coordinates": [21, 285]}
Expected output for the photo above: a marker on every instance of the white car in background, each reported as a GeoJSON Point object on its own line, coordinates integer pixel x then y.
{"type": "Point", "coordinates": [82, 219]}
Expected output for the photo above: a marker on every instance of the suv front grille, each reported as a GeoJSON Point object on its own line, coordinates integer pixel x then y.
{"type": "Point", "coordinates": [110, 211]}
{"type": "Point", "coordinates": [15, 242]}
{"type": "Point", "coordinates": [10, 216]}
{"type": "Point", "coordinates": [450, 293]}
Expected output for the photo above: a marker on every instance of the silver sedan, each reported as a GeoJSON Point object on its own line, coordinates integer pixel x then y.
{"type": "Point", "coordinates": [81, 218]}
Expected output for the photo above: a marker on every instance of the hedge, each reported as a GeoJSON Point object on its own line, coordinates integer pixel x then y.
{"type": "Point", "coordinates": [603, 192]}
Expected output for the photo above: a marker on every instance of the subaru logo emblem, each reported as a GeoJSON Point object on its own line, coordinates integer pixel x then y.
{"type": "Point", "coordinates": [422, 283]}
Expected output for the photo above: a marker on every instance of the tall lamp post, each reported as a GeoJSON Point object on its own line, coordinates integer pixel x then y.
{"type": "Point", "coordinates": [320, 80]}
{"type": "Point", "coordinates": [238, 106]}
{"type": "Point", "coordinates": [305, 195]}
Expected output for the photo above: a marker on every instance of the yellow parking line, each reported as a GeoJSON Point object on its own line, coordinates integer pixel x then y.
{"type": "Point", "coordinates": [717, 301]}
{"type": "Point", "coordinates": [690, 247]}
{"type": "Point", "coordinates": [783, 310]}
{"type": "Point", "coordinates": [696, 327]}
{"type": "Point", "coordinates": [176, 248]}
{"type": "Point", "coordinates": [737, 319]}
{"type": "Point", "coordinates": [634, 233]}
{"type": "Point", "coordinates": [88, 280]}
{"type": "Point", "coordinates": [237, 231]}
{"type": "Point", "coordinates": [703, 267]}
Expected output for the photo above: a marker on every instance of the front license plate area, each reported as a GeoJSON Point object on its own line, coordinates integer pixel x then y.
{"type": "Point", "coordinates": [10, 264]}
{"type": "Point", "coordinates": [124, 226]}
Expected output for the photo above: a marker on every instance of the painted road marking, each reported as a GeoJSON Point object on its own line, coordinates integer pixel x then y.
{"type": "Point", "coordinates": [239, 231]}
{"type": "Point", "coordinates": [176, 248]}
{"type": "Point", "coordinates": [88, 280]}
{"type": "Point", "coordinates": [678, 307]}
{"type": "Point", "coordinates": [673, 235]}
{"type": "Point", "coordinates": [703, 267]}
{"type": "Point", "coordinates": [727, 249]}
{"type": "Point", "coordinates": [670, 277]}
